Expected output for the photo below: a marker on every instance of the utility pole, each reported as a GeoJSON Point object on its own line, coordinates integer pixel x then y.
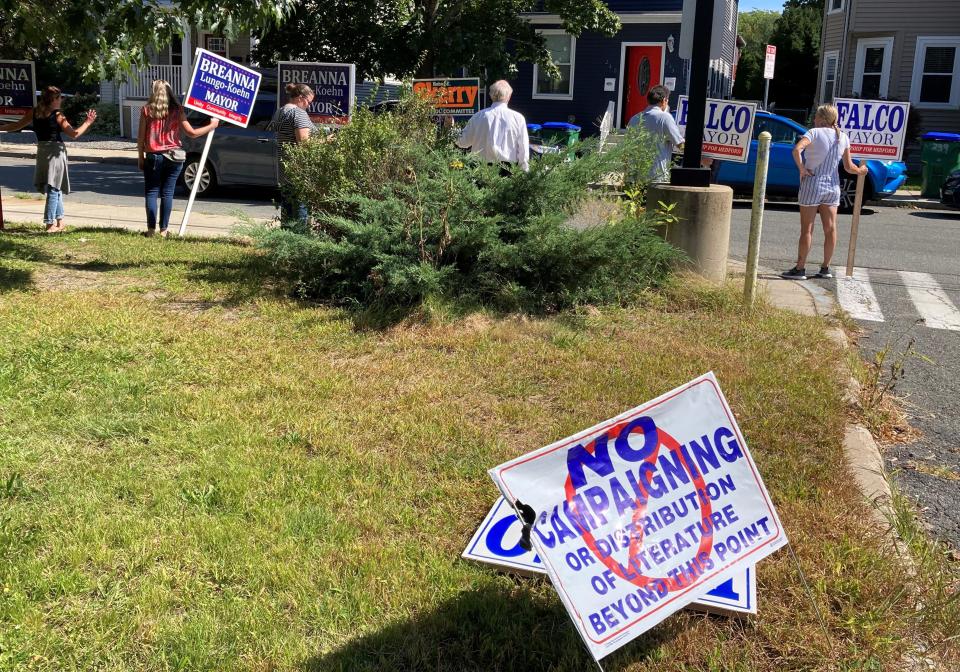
{"type": "Point", "coordinates": [692, 174]}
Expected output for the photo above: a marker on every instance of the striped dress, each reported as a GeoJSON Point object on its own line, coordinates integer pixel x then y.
{"type": "Point", "coordinates": [823, 156]}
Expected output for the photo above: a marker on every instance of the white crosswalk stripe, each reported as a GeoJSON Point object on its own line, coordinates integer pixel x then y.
{"type": "Point", "coordinates": [856, 296]}
{"type": "Point", "coordinates": [933, 304]}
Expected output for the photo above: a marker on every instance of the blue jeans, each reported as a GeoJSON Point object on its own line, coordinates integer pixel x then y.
{"type": "Point", "coordinates": [290, 210]}
{"type": "Point", "coordinates": [54, 207]}
{"type": "Point", "coordinates": [159, 178]}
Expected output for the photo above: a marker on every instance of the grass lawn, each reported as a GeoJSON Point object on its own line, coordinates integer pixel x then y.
{"type": "Point", "coordinates": [198, 473]}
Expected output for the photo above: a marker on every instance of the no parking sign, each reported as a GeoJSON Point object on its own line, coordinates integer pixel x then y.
{"type": "Point", "coordinates": [642, 514]}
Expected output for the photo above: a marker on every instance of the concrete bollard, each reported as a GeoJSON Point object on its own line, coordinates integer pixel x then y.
{"type": "Point", "coordinates": [703, 231]}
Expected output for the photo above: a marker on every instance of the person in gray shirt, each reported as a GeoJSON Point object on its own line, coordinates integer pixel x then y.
{"type": "Point", "coordinates": [292, 125]}
{"type": "Point", "coordinates": [658, 122]}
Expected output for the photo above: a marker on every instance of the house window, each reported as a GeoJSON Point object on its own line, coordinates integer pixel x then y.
{"type": "Point", "coordinates": [872, 72]}
{"type": "Point", "coordinates": [834, 6]}
{"type": "Point", "coordinates": [936, 73]}
{"type": "Point", "coordinates": [216, 44]}
{"type": "Point", "coordinates": [176, 50]}
{"type": "Point", "coordinates": [828, 91]}
{"type": "Point", "coordinates": [562, 49]}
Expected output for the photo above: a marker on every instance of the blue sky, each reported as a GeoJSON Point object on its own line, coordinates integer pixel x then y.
{"type": "Point", "coordinates": [747, 5]}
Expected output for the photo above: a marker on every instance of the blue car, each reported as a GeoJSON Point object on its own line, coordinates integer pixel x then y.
{"type": "Point", "coordinates": [883, 178]}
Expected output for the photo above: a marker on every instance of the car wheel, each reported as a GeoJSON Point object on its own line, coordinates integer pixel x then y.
{"type": "Point", "coordinates": [208, 180]}
{"type": "Point", "coordinates": [848, 191]}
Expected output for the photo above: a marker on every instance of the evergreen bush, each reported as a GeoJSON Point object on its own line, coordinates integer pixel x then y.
{"type": "Point", "coordinates": [401, 216]}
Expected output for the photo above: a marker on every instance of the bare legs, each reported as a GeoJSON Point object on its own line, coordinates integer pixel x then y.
{"type": "Point", "coordinates": [808, 217]}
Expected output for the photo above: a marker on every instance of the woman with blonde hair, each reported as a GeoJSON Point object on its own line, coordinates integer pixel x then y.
{"type": "Point", "coordinates": [160, 152]}
{"type": "Point", "coordinates": [817, 155]}
{"type": "Point", "coordinates": [52, 175]}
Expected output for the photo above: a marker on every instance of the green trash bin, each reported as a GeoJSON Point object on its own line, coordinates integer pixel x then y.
{"type": "Point", "coordinates": [559, 134]}
{"type": "Point", "coordinates": [940, 155]}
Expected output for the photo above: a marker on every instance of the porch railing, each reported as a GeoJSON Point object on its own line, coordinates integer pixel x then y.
{"type": "Point", "coordinates": [140, 83]}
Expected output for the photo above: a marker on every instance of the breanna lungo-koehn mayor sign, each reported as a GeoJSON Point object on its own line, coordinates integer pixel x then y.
{"type": "Point", "coordinates": [877, 128]}
{"type": "Point", "coordinates": [333, 85]}
{"type": "Point", "coordinates": [222, 88]}
{"type": "Point", "coordinates": [639, 516]}
{"type": "Point", "coordinates": [18, 83]}
{"type": "Point", "coordinates": [727, 128]}
{"type": "Point", "coordinates": [451, 97]}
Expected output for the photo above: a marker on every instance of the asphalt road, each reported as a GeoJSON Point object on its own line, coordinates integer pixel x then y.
{"type": "Point", "coordinates": [116, 184]}
{"type": "Point", "coordinates": [910, 261]}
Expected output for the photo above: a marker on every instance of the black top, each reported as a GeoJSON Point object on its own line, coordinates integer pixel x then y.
{"type": "Point", "coordinates": [47, 128]}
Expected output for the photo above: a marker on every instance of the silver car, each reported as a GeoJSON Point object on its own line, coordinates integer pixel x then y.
{"type": "Point", "coordinates": [238, 156]}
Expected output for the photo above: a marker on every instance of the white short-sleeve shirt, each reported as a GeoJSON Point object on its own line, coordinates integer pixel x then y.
{"type": "Point", "coordinates": [821, 142]}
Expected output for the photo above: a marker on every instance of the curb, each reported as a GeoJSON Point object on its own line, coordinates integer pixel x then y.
{"type": "Point", "coordinates": [918, 203]}
{"type": "Point", "coordinates": [75, 156]}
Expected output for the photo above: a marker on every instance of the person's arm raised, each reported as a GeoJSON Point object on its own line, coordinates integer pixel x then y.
{"type": "Point", "coordinates": [79, 130]}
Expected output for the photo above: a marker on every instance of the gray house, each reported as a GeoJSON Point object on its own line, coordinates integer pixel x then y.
{"type": "Point", "coordinates": [891, 49]}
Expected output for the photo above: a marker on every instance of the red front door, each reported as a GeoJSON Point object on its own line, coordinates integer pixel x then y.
{"type": "Point", "coordinates": [644, 70]}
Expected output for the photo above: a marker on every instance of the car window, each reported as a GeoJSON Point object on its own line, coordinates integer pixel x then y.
{"type": "Point", "coordinates": [779, 131]}
{"type": "Point", "coordinates": [263, 111]}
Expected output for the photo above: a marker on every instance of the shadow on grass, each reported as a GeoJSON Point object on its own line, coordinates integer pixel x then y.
{"type": "Point", "coordinates": [17, 244]}
{"type": "Point", "coordinates": [487, 629]}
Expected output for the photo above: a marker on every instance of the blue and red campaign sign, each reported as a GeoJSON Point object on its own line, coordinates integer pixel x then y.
{"type": "Point", "coordinates": [645, 513]}
{"type": "Point", "coordinates": [222, 89]}
{"type": "Point", "coordinates": [333, 86]}
{"type": "Point", "coordinates": [877, 128]}
{"type": "Point", "coordinates": [18, 84]}
{"type": "Point", "coordinates": [497, 542]}
{"type": "Point", "coordinates": [727, 128]}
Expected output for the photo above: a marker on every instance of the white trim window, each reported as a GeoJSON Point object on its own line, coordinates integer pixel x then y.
{"type": "Point", "coordinates": [936, 73]}
{"type": "Point", "coordinates": [829, 84]}
{"type": "Point", "coordinates": [834, 6]}
{"type": "Point", "coordinates": [563, 52]}
{"type": "Point", "coordinates": [871, 75]}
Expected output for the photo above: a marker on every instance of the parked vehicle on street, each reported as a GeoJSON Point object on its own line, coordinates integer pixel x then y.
{"type": "Point", "coordinates": [950, 190]}
{"type": "Point", "coordinates": [783, 179]}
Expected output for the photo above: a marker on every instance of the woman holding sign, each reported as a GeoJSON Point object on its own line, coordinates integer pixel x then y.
{"type": "Point", "coordinates": [817, 155]}
{"type": "Point", "coordinates": [52, 175]}
{"type": "Point", "coordinates": [160, 152]}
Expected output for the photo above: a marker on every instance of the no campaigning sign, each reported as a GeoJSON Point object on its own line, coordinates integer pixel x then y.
{"type": "Point", "coordinates": [222, 88]}
{"type": "Point", "coordinates": [643, 514]}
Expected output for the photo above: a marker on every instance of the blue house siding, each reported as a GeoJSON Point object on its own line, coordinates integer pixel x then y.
{"type": "Point", "coordinates": [597, 58]}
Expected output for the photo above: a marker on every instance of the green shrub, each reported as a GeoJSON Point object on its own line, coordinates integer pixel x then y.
{"type": "Point", "coordinates": [108, 116]}
{"type": "Point", "coordinates": [401, 216]}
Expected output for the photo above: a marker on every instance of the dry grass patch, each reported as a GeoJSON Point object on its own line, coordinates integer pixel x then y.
{"type": "Point", "coordinates": [273, 488]}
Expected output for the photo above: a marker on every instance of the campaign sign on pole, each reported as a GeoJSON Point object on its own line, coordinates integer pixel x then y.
{"type": "Point", "coordinates": [451, 97]}
{"type": "Point", "coordinates": [333, 85]}
{"type": "Point", "coordinates": [642, 514]}
{"type": "Point", "coordinates": [222, 89]}
{"type": "Point", "coordinates": [18, 84]}
{"type": "Point", "coordinates": [877, 128]}
{"type": "Point", "coordinates": [497, 542]}
{"type": "Point", "coordinates": [727, 128]}
{"type": "Point", "coordinates": [769, 61]}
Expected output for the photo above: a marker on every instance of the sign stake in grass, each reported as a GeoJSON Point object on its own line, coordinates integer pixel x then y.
{"type": "Point", "coordinates": [756, 218]}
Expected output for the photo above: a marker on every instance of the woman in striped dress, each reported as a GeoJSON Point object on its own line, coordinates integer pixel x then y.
{"type": "Point", "coordinates": [292, 125]}
{"type": "Point", "coordinates": [817, 155]}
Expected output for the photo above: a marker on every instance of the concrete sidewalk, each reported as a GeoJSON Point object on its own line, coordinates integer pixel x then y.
{"type": "Point", "coordinates": [806, 298]}
{"type": "Point", "coordinates": [911, 198]}
{"type": "Point", "coordinates": [76, 151]}
{"type": "Point", "coordinates": [84, 215]}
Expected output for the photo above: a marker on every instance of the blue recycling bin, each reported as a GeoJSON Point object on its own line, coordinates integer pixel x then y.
{"type": "Point", "coordinates": [533, 130]}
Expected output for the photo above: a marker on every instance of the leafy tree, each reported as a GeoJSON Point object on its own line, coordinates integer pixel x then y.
{"type": "Point", "coordinates": [426, 37]}
{"type": "Point", "coordinates": [797, 38]}
{"type": "Point", "coordinates": [755, 28]}
{"type": "Point", "coordinates": [107, 36]}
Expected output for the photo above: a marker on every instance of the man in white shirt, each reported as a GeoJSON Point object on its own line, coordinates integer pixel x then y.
{"type": "Point", "coordinates": [659, 123]}
{"type": "Point", "coordinates": [497, 133]}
